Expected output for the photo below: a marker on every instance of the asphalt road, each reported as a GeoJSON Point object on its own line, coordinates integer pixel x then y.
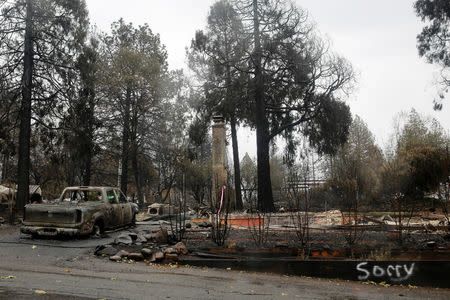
{"type": "Point", "coordinates": [67, 269]}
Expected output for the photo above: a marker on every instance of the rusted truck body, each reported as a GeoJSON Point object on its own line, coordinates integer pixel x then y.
{"type": "Point", "coordinates": [81, 210]}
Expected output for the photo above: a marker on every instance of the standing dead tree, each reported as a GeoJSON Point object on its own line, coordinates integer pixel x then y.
{"type": "Point", "coordinates": [444, 199]}
{"type": "Point", "coordinates": [347, 188]}
{"type": "Point", "coordinates": [401, 198]}
{"type": "Point", "coordinates": [444, 190]}
{"type": "Point", "coordinates": [298, 196]}
{"type": "Point", "coordinates": [258, 223]}
{"type": "Point", "coordinates": [403, 209]}
{"type": "Point", "coordinates": [177, 217]}
{"type": "Point", "coordinates": [351, 219]}
{"type": "Point", "coordinates": [220, 229]}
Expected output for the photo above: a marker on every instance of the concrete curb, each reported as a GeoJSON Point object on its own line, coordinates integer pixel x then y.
{"type": "Point", "coordinates": [420, 273]}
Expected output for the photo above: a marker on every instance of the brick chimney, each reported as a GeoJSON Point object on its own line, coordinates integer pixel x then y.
{"type": "Point", "coordinates": [219, 172]}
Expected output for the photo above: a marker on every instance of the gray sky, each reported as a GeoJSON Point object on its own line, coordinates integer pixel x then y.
{"type": "Point", "coordinates": [377, 36]}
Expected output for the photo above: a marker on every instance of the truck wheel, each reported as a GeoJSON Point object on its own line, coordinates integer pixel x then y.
{"type": "Point", "coordinates": [97, 229]}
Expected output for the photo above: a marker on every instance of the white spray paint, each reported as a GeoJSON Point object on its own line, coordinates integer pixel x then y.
{"type": "Point", "coordinates": [396, 273]}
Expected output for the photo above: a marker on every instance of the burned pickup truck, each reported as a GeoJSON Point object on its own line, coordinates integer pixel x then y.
{"type": "Point", "coordinates": [80, 210]}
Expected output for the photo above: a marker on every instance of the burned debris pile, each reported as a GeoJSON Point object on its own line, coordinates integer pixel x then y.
{"type": "Point", "coordinates": [154, 247]}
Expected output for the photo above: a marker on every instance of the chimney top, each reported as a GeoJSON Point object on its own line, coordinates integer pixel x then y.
{"type": "Point", "coordinates": [218, 119]}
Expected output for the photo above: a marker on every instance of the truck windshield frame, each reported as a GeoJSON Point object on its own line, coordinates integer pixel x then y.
{"type": "Point", "coordinates": [81, 195]}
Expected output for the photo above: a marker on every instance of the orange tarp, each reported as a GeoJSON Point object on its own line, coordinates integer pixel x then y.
{"type": "Point", "coordinates": [243, 222]}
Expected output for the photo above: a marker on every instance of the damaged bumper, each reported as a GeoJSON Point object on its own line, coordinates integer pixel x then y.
{"type": "Point", "coordinates": [53, 231]}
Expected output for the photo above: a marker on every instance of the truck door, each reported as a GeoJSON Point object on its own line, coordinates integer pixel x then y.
{"type": "Point", "coordinates": [114, 210]}
{"type": "Point", "coordinates": [127, 212]}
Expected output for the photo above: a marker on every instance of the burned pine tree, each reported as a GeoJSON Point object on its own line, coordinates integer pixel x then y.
{"type": "Point", "coordinates": [264, 64]}
{"type": "Point", "coordinates": [214, 56]}
{"type": "Point", "coordinates": [40, 42]}
{"type": "Point", "coordinates": [81, 121]}
{"type": "Point", "coordinates": [137, 86]}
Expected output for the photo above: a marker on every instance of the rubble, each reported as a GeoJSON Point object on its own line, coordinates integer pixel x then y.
{"type": "Point", "coordinates": [106, 251]}
{"type": "Point", "coordinates": [387, 218]}
{"type": "Point", "coordinates": [124, 238]}
{"type": "Point", "coordinates": [150, 236]}
{"type": "Point", "coordinates": [153, 244]}
{"type": "Point", "coordinates": [146, 252]}
{"type": "Point", "coordinates": [443, 223]}
{"type": "Point", "coordinates": [151, 247]}
{"type": "Point", "coordinates": [331, 217]}
{"type": "Point", "coordinates": [158, 256]}
{"type": "Point", "coordinates": [172, 256]}
{"type": "Point", "coordinates": [115, 258]}
{"type": "Point", "coordinates": [159, 209]}
{"type": "Point", "coordinates": [136, 256]}
{"type": "Point", "coordinates": [141, 239]}
{"type": "Point", "coordinates": [204, 224]}
{"type": "Point", "coordinates": [122, 253]}
{"type": "Point", "coordinates": [133, 236]}
{"type": "Point", "coordinates": [431, 244]}
{"type": "Point", "coordinates": [232, 245]}
{"type": "Point", "coordinates": [430, 228]}
{"type": "Point", "coordinates": [181, 248]}
{"type": "Point", "coordinates": [162, 236]}
{"type": "Point", "coordinates": [169, 251]}
{"type": "Point", "coordinates": [204, 211]}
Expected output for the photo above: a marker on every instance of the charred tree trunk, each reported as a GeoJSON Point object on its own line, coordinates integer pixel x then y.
{"type": "Point", "coordinates": [134, 121]}
{"type": "Point", "coordinates": [265, 197]}
{"type": "Point", "coordinates": [90, 150]}
{"type": "Point", "coordinates": [5, 162]}
{"type": "Point", "coordinates": [137, 177]}
{"type": "Point", "coordinates": [231, 106]}
{"type": "Point", "coordinates": [236, 163]}
{"type": "Point", "coordinates": [23, 167]}
{"type": "Point", "coordinates": [125, 142]}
